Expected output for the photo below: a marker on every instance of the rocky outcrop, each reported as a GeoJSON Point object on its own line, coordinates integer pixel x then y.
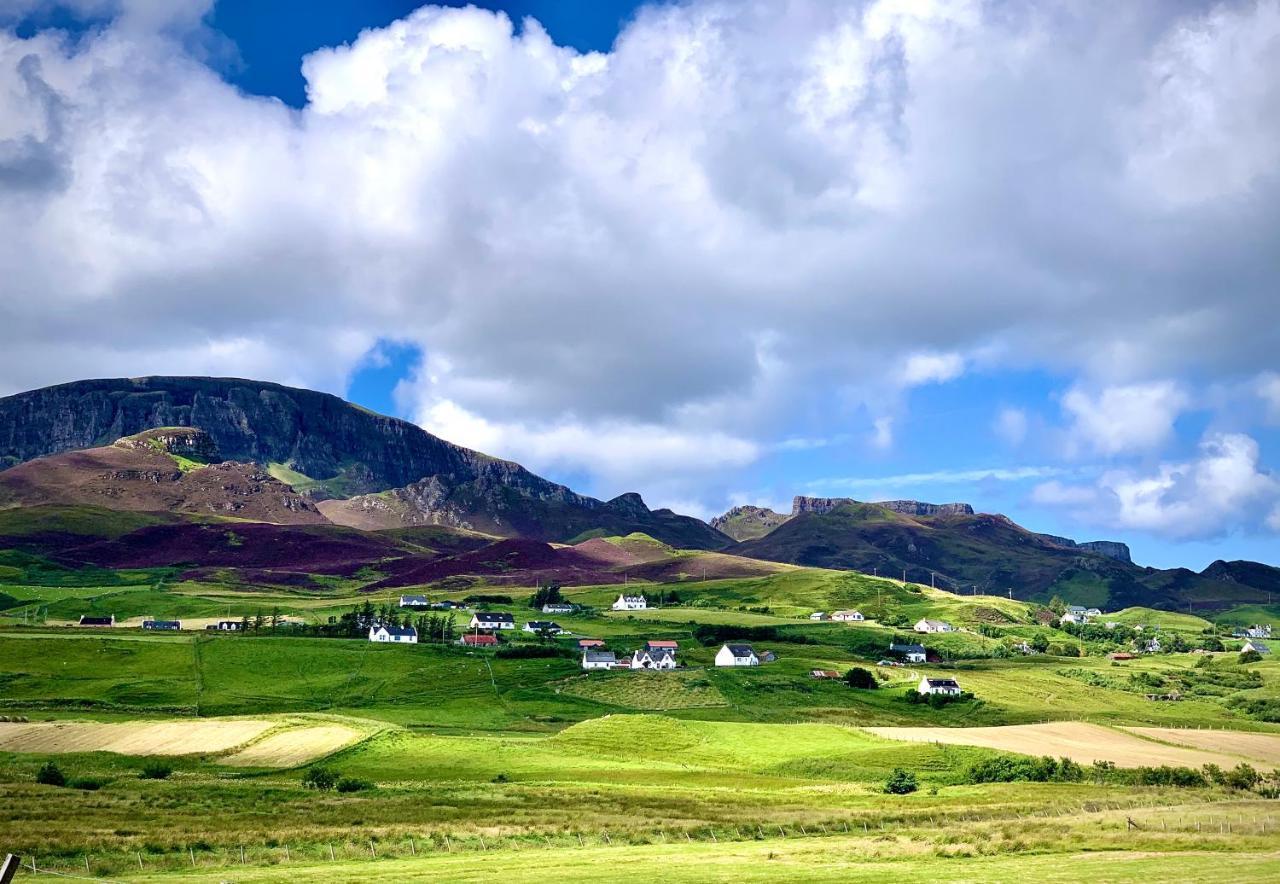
{"type": "Point", "coordinates": [748, 522]}
{"type": "Point", "coordinates": [342, 450]}
{"type": "Point", "coordinates": [907, 507]}
{"type": "Point", "coordinates": [189, 442]}
{"type": "Point", "coordinates": [1112, 549]}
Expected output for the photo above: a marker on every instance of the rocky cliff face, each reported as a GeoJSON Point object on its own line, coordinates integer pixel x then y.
{"type": "Point", "coordinates": [906, 507]}
{"type": "Point", "coordinates": [1112, 549]}
{"type": "Point", "coordinates": [341, 450]}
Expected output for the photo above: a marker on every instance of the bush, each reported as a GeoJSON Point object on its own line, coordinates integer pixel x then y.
{"type": "Point", "coordinates": [857, 677]}
{"type": "Point", "coordinates": [156, 770]}
{"type": "Point", "coordinates": [50, 775]}
{"type": "Point", "coordinates": [347, 785]}
{"type": "Point", "coordinates": [320, 778]}
{"type": "Point", "coordinates": [88, 784]}
{"type": "Point", "coordinates": [1242, 776]}
{"type": "Point", "coordinates": [935, 701]}
{"type": "Point", "coordinates": [900, 782]}
{"type": "Point", "coordinates": [1249, 657]}
{"type": "Point", "coordinates": [487, 600]}
{"type": "Point", "coordinates": [1011, 769]}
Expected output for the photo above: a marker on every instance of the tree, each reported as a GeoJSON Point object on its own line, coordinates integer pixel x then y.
{"type": "Point", "coordinates": [900, 782]}
{"type": "Point", "coordinates": [1057, 605]}
{"type": "Point", "coordinates": [50, 775]}
{"type": "Point", "coordinates": [1039, 643]}
{"type": "Point", "coordinates": [1242, 776]}
{"type": "Point", "coordinates": [1249, 657]}
{"type": "Point", "coordinates": [857, 677]}
{"type": "Point", "coordinates": [548, 594]}
{"type": "Point", "coordinates": [320, 778]}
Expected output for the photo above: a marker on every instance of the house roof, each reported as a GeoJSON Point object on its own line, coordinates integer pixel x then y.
{"type": "Point", "coordinates": [656, 654]}
{"type": "Point", "coordinates": [413, 600]}
{"type": "Point", "coordinates": [537, 625]}
{"type": "Point", "coordinates": [740, 650]}
{"type": "Point", "coordinates": [479, 639]}
{"type": "Point", "coordinates": [906, 649]}
{"type": "Point", "coordinates": [662, 643]}
{"type": "Point", "coordinates": [495, 616]}
{"type": "Point", "coordinates": [156, 624]}
{"type": "Point", "coordinates": [942, 682]}
{"type": "Point", "coordinates": [824, 673]}
{"type": "Point", "coordinates": [1258, 646]}
{"type": "Point", "coordinates": [599, 657]}
{"type": "Point", "coordinates": [86, 620]}
{"type": "Point", "coordinates": [933, 622]}
{"type": "Point", "coordinates": [590, 643]}
{"type": "Point", "coordinates": [407, 631]}
{"type": "Point", "coordinates": [631, 598]}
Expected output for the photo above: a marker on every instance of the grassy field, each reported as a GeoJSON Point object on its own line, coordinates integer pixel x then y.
{"type": "Point", "coordinates": [468, 764]}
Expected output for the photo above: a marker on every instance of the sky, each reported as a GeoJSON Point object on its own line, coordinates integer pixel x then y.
{"type": "Point", "coordinates": [1019, 255]}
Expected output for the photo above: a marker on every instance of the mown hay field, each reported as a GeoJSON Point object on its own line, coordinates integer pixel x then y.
{"type": "Point", "coordinates": [131, 738]}
{"type": "Point", "coordinates": [294, 746]}
{"type": "Point", "coordinates": [1081, 742]}
{"type": "Point", "coordinates": [1264, 748]}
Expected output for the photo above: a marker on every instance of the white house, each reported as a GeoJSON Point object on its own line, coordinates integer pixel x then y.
{"type": "Point", "coordinates": [1152, 646]}
{"type": "Point", "coordinates": [414, 601]}
{"type": "Point", "coordinates": [1254, 644]}
{"type": "Point", "coordinates": [543, 626]}
{"type": "Point", "coordinates": [1069, 617]}
{"type": "Point", "coordinates": [630, 603]}
{"type": "Point", "coordinates": [818, 615]}
{"type": "Point", "coordinates": [932, 626]}
{"type": "Point", "coordinates": [910, 653]}
{"type": "Point", "coordinates": [947, 686]}
{"type": "Point", "coordinates": [557, 608]}
{"type": "Point", "coordinates": [598, 659]}
{"type": "Point", "coordinates": [737, 655]}
{"type": "Point", "coordinates": [657, 658]}
{"type": "Point", "coordinates": [399, 634]}
{"type": "Point", "coordinates": [1093, 612]}
{"type": "Point", "coordinates": [847, 616]}
{"type": "Point", "coordinates": [492, 620]}
{"type": "Point", "coordinates": [1259, 630]}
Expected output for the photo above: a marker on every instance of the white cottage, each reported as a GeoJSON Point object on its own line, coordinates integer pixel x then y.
{"type": "Point", "coordinates": [933, 626]}
{"type": "Point", "coordinates": [492, 620]}
{"type": "Point", "coordinates": [654, 658]}
{"type": "Point", "coordinates": [946, 686]}
{"type": "Point", "coordinates": [848, 616]}
{"type": "Point", "coordinates": [599, 659]}
{"type": "Point", "coordinates": [737, 655]}
{"type": "Point", "coordinates": [630, 603]}
{"type": "Point", "coordinates": [397, 634]}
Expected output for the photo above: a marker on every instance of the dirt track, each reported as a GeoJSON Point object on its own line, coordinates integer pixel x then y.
{"type": "Point", "coordinates": [1084, 743]}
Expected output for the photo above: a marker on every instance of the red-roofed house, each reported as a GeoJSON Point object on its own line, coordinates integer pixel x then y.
{"type": "Point", "coordinates": [584, 643]}
{"type": "Point", "coordinates": [478, 641]}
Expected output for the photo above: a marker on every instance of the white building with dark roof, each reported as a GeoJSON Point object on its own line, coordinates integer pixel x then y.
{"type": "Point", "coordinates": [945, 686]}
{"type": "Point", "coordinates": [735, 654]}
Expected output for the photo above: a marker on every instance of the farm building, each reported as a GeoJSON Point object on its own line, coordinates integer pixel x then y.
{"type": "Point", "coordinates": [848, 616]}
{"type": "Point", "coordinates": [818, 615]}
{"type": "Point", "coordinates": [226, 626]}
{"type": "Point", "coordinates": [933, 626]}
{"type": "Point", "coordinates": [659, 659]}
{"type": "Point", "coordinates": [86, 620]}
{"type": "Point", "coordinates": [908, 652]}
{"type": "Point", "coordinates": [492, 620]}
{"type": "Point", "coordinates": [543, 626]}
{"type": "Point", "coordinates": [557, 608]}
{"type": "Point", "coordinates": [946, 686]}
{"type": "Point", "coordinates": [398, 634]}
{"type": "Point", "coordinates": [823, 673]}
{"type": "Point", "coordinates": [1254, 644]}
{"type": "Point", "coordinates": [599, 659]}
{"type": "Point", "coordinates": [414, 601]}
{"type": "Point", "coordinates": [447, 605]}
{"type": "Point", "coordinates": [585, 643]}
{"type": "Point", "coordinates": [737, 655]}
{"type": "Point", "coordinates": [162, 625]}
{"type": "Point", "coordinates": [478, 641]}
{"type": "Point", "coordinates": [630, 603]}
{"type": "Point", "coordinates": [662, 645]}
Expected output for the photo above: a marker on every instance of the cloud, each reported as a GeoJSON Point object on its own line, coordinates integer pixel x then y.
{"type": "Point", "coordinates": [932, 368]}
{"type": "Point", "coordinates": [941, 477]}
{"type": "Point", "coordinates": [881, 433]}
{"type": "Point", "coordinates": [1116, 420]}
{"type": "Point", "coordinates": [1268, 387]}
{"type": "Point", "coordinates": [1224, 489]}
{"type": "Point", "coordinates": [1010, 426]}
{"type": "Point", "coordinates": [743, 216]}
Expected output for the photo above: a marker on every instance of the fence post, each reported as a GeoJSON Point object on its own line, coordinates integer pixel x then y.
{"type": "Point", "coordinates": [331, 859]}
{"type": "Point", "coordinates": [192, 851]}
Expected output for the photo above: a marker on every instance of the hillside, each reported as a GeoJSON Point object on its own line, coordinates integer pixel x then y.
{"type": "Point", "coordinates": [394, 473]}
{"type": "Point", "coordinates": [955, 548]}
{"type": "Point", "coordinates": [171, 470]}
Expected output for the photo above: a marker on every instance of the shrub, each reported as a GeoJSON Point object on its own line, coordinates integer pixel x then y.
{"type": "Point", "coordinates": [346, 785]}
{"type": "Point", "coordinates": [857, 677]}
{"type": "Point", "coordinates": [900, 782]}
{"type": "Point", "coordinates": [1010, 769]}
{"type": "Point", "coordinates": [1242, 776]}
{"type": "Point", "coordinates": [1249, 657]}
{"type": "Point", "coordinates": [50, 775]}
{"type": "Point", "coordinates": [156, 770]}
{"type": "Point", "coordinates": [321, 778]}
{"type": "Point", "coordinates": [88, 784]}
{"type": "Point", "coordinates": [502, 778]}
{"type": "Point", "coordinates": [487, 600]}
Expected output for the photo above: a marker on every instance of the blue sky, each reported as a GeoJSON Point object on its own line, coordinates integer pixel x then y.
{"type": "Point", "coordinates": [715, 254]}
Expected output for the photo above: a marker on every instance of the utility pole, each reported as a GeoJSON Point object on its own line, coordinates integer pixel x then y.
{"type": "Point", "coordinates": [931, 583]}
